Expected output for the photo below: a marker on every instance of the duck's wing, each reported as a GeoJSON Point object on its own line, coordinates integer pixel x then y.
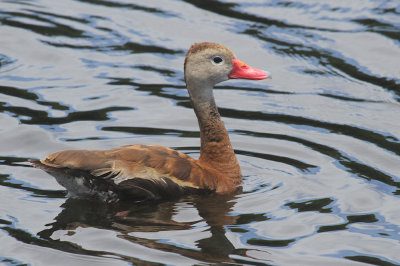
{"type": "Point", "coordinates": [137, 171]}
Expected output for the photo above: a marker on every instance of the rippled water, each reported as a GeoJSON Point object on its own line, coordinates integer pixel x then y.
{"type": "Point", "coordinates": [318, 144]}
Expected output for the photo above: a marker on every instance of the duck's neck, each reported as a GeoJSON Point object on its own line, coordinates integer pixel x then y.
{"type": "Point", "coordinates": [216, 150]}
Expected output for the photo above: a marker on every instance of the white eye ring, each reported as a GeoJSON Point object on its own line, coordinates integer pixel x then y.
{"type": "Point", "coordinates": [217, 60]}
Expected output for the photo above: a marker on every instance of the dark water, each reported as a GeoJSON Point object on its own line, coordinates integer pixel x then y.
{"type": "Point", "coordinates": [318, 144]}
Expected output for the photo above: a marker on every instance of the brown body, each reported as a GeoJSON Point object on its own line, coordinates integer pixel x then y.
{"type": "Point", "coordinates": [150, 172]}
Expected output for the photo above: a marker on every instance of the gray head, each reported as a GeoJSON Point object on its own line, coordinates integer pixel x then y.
{"type": "Point", "coordinates": [209, 63]}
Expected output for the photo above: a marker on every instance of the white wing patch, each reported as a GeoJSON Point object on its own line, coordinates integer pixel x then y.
{"type": "Point", "coordinates": [120, 171]}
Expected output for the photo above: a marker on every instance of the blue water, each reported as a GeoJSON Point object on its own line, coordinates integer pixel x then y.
{"type": "Point", "coordinates": [318, 144]}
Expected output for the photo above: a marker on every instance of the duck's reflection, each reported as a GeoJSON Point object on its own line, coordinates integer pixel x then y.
{"type": "Point", "coordinates": [126, 218]}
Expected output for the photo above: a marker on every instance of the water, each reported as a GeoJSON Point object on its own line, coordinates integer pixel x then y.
{"type": "Point", "coordinates": [318, 144]}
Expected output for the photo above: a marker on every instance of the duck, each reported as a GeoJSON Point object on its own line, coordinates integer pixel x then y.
{"type": "Point", "coordinates": [150, 172]}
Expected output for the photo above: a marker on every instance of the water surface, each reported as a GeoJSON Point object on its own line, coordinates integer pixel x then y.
{"type": "Point", "coordinates": [318, 144]}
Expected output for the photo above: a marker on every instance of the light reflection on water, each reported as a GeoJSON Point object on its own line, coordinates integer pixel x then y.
{"type": "Point", "coordinates": [318, 144]}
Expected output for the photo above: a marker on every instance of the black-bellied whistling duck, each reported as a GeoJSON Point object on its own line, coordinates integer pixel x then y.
{"type": "Point", "coordinates": [141, 172]}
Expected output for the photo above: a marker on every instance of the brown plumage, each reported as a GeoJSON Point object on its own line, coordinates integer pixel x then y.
{"type": "Point", "coordinates": [142, 172]}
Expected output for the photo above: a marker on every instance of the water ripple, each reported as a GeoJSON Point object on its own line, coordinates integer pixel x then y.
{"type": "Point", "coordinates": [318, 145]}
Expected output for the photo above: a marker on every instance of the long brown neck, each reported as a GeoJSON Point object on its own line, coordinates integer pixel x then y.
{"type": "Point", "coordinates": [216, 150]}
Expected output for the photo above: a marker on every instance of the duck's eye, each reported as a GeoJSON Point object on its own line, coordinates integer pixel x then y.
{"type": "Point", "coordinates": [217, 60]}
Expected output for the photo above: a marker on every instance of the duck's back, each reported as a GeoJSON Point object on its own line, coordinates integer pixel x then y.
{"type": "Point", "coordinates": [138, 172]}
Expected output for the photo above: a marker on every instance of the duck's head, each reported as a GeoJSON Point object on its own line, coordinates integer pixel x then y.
{"type": "Point", "coordinates": [207, 64]}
